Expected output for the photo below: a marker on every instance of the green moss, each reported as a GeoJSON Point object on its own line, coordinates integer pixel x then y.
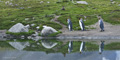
{"type": "Point", "coordinates": [21, 33]}
{"type": "Point", "coordinates": [54, 34]}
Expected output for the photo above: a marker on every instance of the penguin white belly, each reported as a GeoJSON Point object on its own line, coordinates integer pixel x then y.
{"type": "Point", "coordinates": [81, 25]}
{"type": "Point", "coordinates": [69, 27]}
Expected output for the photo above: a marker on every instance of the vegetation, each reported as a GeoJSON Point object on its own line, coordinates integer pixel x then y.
{"type": "Point", "coordinates": [30, 32]}
{"type": "Point", "coordinates": [41, 12]}
{"type": "Point", "coordinates": [54, 34]}
{"type": "Point", "coordinates": [109, 12]}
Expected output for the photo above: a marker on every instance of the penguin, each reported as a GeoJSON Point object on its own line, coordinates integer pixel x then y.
{"type": "Point", "coordinates": [101, 47]}
{"type": "Point", "coordinates": [82, 46]}
{"type": "Point", "coordinates": [82, 26]}
{"type": "Point", "coordinates": [70, 46]}
{"type": "Point", "coordinates": [101, 24]}
{"type": "Point", "coordinates": [69, 24]}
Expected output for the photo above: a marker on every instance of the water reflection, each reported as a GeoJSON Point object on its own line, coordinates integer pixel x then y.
{"type": "Point", "coordinates": [70, 46]}
{"type": "Point", "coordinates": [64, 47]}
{"type": "Point", "coordinates": [19, 45]}
{"type": "Point", "coordinates": [48, 44]}
{"type": "Point", "coordinates": [101, 47]}
{"type": "Point", "coordinates": [82, 46]}
{"type": "Point", "coordinates": [60, 50]}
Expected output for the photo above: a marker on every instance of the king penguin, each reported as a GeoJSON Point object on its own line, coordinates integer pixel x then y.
{"type": "Point", "coordinates": [101, 24]}
{"type": "Point", "coordinates": [69, 24]}
{"type": "Point", "coordinates": [82, 26]}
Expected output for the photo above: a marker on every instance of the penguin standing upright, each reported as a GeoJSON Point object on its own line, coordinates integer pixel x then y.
{"type": "Point", "coordinates": [69, 24]}
{"type": "Point", "coordinates": [101, 24]}
{"type": "Point", "coordinates": [81, 24]}
{"type": "Point", "coordinates": [70, 46]}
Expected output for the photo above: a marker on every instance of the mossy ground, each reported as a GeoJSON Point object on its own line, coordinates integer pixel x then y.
{"type": "Point", "coordinates": [41, 13]}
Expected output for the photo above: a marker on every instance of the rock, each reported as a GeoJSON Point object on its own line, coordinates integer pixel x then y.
{"type": "Point", "coordinates": [119, 5]}
{"type": "Point", "coordinates": [113, 2]}
{"type": "Point", "coordinates": [38, 43]}
{"type": "Point", "coordinates": [34, 35]}
{"type": "Point", "coordinates": [16, 4]}
{"type": "Point", "coordinates": [26, 18]}
{"type": "Point", "coordinates": [6, 2]}
{"type": "Point", "coordinates": [41, 2]}
{"type": "Point", "coordinates": [21, 8]}
{"type": "Point", "coordinates": [48, 2]}
{"type": "Point", "coordinates": [22, 37]}
{"type": "Point", "coordinates": [33, 18]}
{"type": "Point", "coordinates": [82, 2]}
{"type": "Point", "coordinates": [32, 24]}
{"type": "Point", "coordinates": [29, 7]}
{"type": "Point", "coordinates": [18, 28]}
{"type": "Point", "coordinates": [29, 37]}
{"type": "Point", "coordinates": [11, 4]}
{"type": "Point", "coordinates": [37, 27]}
{"type": "Point", "coordinates": [47, 30]}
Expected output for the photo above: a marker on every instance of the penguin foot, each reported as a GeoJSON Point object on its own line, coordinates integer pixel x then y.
{"type": "Point", "coordinates": [102, 30]}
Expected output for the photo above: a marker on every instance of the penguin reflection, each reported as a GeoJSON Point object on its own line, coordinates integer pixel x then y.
{"type": "Point", "coordinates": [82, 46]}
{"type": "Point", "coordinates": [70, 46]}
{"type": "Point", "coordinates": [101, 47]}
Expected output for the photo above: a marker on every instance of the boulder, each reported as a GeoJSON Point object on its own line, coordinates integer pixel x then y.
{"type": "Point", "coordinates": [18, 28]}
{"type": "Point", "coordinates": [82, 2]}
{"type": "Point", "coordinates": [47, 30]}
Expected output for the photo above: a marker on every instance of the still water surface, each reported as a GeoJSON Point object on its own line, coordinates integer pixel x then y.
{"type": "Point", "coordinates": [38, 55]}
{"type": "Point", "coordinates": [59, 50]}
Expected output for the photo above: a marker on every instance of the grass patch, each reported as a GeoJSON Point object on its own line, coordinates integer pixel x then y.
{"type": "Point", "coordinates": [40, 13]}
